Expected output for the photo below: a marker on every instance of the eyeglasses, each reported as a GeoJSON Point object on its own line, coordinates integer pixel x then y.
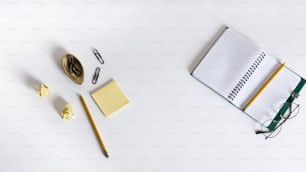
{"type": "Point", "coordinates": [292, 112]}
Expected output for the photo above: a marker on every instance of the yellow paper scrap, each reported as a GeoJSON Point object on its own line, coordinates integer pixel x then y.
{"type": "Point", "coordinates": [67, 113]}
{"type": "Point", "coordinates": [43, 90]}
{"type": "Point", "coordinates": [110, 98]}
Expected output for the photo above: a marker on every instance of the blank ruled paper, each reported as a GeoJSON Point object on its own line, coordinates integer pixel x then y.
{"type": "Point", "coordinates": [236, 68]}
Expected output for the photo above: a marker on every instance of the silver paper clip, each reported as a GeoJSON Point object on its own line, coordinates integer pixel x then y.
{"type": "Point", "coordinates": [72, 67]}
{"type": "Point", "coordinates": [98, 55]}
{"type": "Point", "coordinates": [96, 76]}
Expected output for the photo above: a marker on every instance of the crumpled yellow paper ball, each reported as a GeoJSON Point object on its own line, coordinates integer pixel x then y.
{"type": "Point", "coordinates": [43, 90]}
{"type": "Point", "coordinates": [67, 113]}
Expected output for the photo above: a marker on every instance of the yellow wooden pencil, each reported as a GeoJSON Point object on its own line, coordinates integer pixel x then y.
{"type": "Point", "coordinates": [93, 124]}
{"type": "Point", "coordinates": [264, 86]}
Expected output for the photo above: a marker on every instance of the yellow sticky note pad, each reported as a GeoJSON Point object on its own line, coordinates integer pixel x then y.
{"type": "Point", "coordinates": [110, 98]}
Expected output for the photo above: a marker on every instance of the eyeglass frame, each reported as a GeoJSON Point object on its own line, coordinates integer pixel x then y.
{"type": "Point", "coordinates": [279, 120]}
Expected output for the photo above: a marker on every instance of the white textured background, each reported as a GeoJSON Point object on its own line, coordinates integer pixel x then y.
{"type": "Point", "coordinates": [173, 123]}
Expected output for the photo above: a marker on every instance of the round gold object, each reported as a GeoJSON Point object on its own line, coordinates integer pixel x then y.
{"type": "Point", "coordinates": [73, 68]}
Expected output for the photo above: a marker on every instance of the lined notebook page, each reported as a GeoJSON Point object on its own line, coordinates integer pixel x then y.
{"type": "Point", "coordinates": [268, 103]}
{"type": "Point", "coordinates": [256, 81]}
{"type": "Point", "coordinates": [226, 62]}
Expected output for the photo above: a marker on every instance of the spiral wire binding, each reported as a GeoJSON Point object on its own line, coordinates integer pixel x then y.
{"type": "Point", "coordinates": [246, 76]}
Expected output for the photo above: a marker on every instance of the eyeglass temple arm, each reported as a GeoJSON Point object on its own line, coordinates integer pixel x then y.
{"type": "Point", "coordinates": [261, 131]}
{"type": "Point", "coordinates": [269, 131]}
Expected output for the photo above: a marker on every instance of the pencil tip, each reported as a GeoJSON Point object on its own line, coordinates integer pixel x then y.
{"type": "Point", "coordinates": [106, 154]}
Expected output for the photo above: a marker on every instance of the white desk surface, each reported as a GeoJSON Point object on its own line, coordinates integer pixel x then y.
{"type": "Point", "coordinates": [173, 123]}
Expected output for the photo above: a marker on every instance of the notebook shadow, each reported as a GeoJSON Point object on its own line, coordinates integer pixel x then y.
{"type": "Point", "coordinates": [205, 49]}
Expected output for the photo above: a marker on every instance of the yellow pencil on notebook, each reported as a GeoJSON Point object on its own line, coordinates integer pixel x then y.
{"type": "Point", "coordinates": [93, 124]}
{"type": "Point", "coordinates": [264, 86]}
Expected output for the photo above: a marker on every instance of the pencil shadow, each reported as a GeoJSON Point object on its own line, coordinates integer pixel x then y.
{"type": "Point", "coordinates": [205, 49]}
{"type": "Point", "coordinates": [57, 54]}
{"type": "Point", "coordinates": [59, 103]}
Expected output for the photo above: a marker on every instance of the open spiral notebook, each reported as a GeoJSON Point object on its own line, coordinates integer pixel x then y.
{"type": "Point", "coordinates": [236, 68]}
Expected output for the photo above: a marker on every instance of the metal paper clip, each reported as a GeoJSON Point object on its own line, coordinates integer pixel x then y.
{"type": "Point", "coordinates": [72, 67]}
{"type": "Point", "coordinates": [98, 55]}
{"type": "Point", "coordinates": [96, 76]}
